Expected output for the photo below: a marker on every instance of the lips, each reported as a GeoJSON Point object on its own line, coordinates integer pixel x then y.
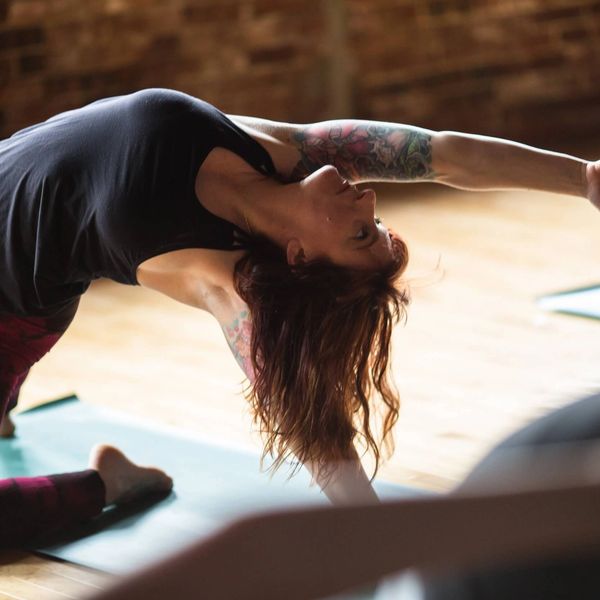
{"type": "Point", "coordinates": [353, 187]}
{"type": "Point", "coordinates": [348, 185]}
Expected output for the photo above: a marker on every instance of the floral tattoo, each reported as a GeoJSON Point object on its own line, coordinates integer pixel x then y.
{"type": "Point", "coordinates": [239, 338]}
{"type": "Point", "coordinates": [363, 150]}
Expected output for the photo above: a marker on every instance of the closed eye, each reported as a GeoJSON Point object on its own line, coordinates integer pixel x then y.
{"type": "Point", "coordinates": [363, 233]}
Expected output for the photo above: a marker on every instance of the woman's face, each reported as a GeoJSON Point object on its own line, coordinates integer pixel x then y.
{"type": "Point", "coordinates": [339, 222]}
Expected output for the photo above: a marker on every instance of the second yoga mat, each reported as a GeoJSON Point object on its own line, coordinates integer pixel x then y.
{"type": "Point", "coordinates": [582, 302]}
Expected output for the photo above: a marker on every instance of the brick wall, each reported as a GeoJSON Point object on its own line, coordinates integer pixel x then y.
{"type": "Point", "coordinates": [527, 69]}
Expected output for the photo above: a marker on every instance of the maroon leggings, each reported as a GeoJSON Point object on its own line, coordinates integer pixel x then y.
{"type": "Point", "coordinates": [33, 506]}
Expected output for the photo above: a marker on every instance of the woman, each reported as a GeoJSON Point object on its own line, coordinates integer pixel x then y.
{"type": "Point", "coordinates": [259, 223]}
{"type": "Point", "coordinates": [113, 190]}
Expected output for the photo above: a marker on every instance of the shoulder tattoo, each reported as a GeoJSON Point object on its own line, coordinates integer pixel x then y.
{"type": "Point", "coordinates": [238, 334]}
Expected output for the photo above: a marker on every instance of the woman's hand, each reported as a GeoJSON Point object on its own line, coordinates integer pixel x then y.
{"type": "Point", "coordinates": [593, 183]}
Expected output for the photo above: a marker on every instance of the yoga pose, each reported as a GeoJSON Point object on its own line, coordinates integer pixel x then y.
{"type": "Point", "coordinates": [261, 224]}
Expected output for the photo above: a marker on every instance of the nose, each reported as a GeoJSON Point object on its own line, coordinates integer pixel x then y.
{"type": "Point", "coordinates": [367, 198]}
{"type": "Point", "coordinates": [329, 171]}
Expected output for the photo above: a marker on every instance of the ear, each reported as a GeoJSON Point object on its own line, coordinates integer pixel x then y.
{"type": "Point", "coordinates": [295, 252]}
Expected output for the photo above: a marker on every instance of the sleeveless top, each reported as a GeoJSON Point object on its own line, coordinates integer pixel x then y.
{"type": "Point", "coordinates": [94, 192]}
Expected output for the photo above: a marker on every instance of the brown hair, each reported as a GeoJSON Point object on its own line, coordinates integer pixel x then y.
{"type": "Point", "coordinates": [320, 348]}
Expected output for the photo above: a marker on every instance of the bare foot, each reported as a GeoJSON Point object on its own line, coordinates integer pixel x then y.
{"type": "Point", "coordinates": [7, 427]}
{"type": "Point", "coordinates": [124, 480]}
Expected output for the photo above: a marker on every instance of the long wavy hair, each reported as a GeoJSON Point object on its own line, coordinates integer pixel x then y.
{"type": "Point", "coordinates": [320, 351]}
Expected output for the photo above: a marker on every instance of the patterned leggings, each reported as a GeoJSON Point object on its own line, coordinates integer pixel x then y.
{"type": "Point", "coordinates": [34, 506]}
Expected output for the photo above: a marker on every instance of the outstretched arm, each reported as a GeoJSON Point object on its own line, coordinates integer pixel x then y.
{"type": "Point", "coordinates": [349, 483]}
{"type": "Point", "coordinates": [377, 151]}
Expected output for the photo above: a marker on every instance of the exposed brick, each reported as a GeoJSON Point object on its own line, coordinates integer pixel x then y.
{"type": "Point", "coordinates": [577, 34]}
{"type": "Point", "coordinates": [275, 54]}
{"type": "Point", "coordinates": [549, 14]}
{"type": "Point", "coordinates": [19, 38]}
{"type": "Point", "coordinates": [221, 11]}
{"type": "Point", "coordinates": [437, 7]}
{"type": "Point", "coordinates": [5, 72]}
{"type": "Point", "coordinates": [28, 12]}
{"type": "Point", "coordinates": [31, 63]}
{"type": "Point", "coordinates": [102, 83]}
{"type": "Point", "coordinates": [290, 7]}
{"type": "Point", "coordinates": [162, 49]}
{"type": "Point", "coordinates": [450, 7]}
{"type": "Point", "coordinates": [391, 87]}
{"type": "Point", "coordinates": [397, 13]}
{"type": "Point", "coordinates": [549, 121]}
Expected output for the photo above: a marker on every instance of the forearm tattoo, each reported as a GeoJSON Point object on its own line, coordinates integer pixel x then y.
{"type": "Point", "coordinates": [365, 151]}
{"type": "Point", "coordinates": [239, 337]}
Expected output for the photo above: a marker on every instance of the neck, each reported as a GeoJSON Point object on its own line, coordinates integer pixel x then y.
{"type": "Point", "coordinates": [265, 206]}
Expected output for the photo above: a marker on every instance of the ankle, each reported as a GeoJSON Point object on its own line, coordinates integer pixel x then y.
{"type": "Point", "coordinates": [7, 427]}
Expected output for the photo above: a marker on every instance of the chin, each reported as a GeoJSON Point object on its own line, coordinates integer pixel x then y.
{"type": "Point", "coordinates": [399, 247]}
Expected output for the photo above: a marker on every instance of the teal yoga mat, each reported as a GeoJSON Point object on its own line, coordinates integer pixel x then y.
{"type": "Point", "coordinates": [582, 302]}
{"type": "Point", "coordinates": [213, 483]}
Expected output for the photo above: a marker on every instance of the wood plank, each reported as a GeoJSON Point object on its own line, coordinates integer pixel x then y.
{"type": "Point", "coordinates": [24, 565]}
{"type": "Point", "coordinates": [6, 596]}
{"type": "Point", "coordinates": [27, 589]}
{"type": "Point", "coordinates": [29, 576]}
{"type": "Point", "coordinates": [90, 578]}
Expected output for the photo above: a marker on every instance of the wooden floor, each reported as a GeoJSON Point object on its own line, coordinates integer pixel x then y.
{"type": "Point", "coordinates": [476, 359]}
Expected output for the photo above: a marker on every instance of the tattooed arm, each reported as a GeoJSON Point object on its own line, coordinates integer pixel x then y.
{"type": "Point", "coordinates": [349, 483]}
{"type": "Point", "coordinates": [375, 151]}
{"type": "Point", "coordinates": [365, 150]}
